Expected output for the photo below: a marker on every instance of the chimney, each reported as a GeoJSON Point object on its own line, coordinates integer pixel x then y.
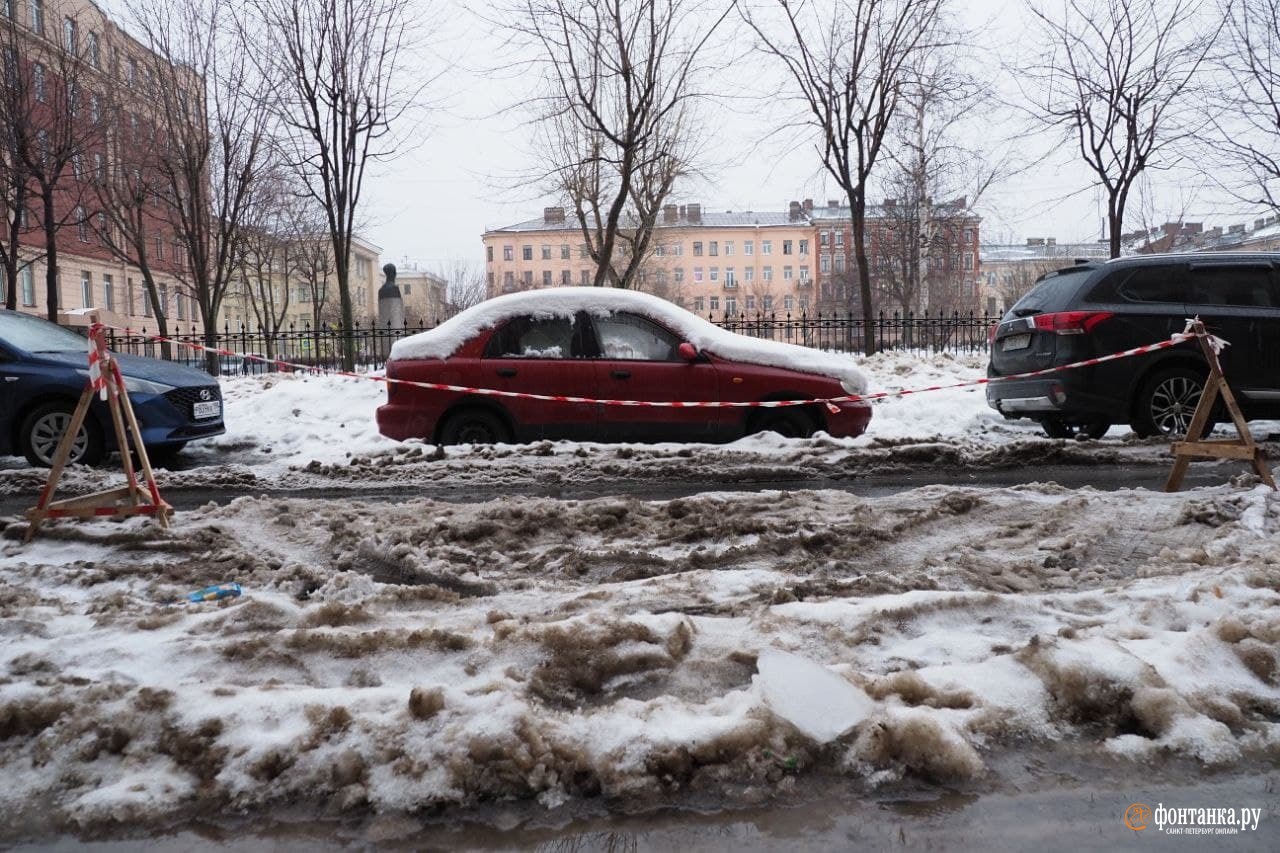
{"type": "Point", "coordinates": [1035, 241]}
{"type": "Point", "coordinates": [670, 213]}
{"type": "Point", "coordinates": [808, 205]}
{"type": "Point", "coordinates": [1235, 229]}
{"type": "Point", "coordinates": [1259, 223]}
{"type": "Point", "coordinates": [695, 213]}
{"type": "Point", "coordinates": [833, 202]}
{"type": "Point", "coordinates": [1193, 228]}
{"type": "Point", "coordinates": [793, 211]}
{"type": "Point", "coordinates": [1051, 241]}
{"type": "Point", "coordinates": [552, 215]}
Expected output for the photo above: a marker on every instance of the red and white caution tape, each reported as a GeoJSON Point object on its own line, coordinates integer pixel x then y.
{"type": "Point", "coordinates": [99, 359]}
{"type": "Point", "coordinates": [829, 402]}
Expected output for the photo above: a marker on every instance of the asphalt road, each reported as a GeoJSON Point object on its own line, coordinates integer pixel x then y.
{"type": "Point", "coordinates": [1104, 477]}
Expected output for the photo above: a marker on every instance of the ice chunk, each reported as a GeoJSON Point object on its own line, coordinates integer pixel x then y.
{"type": "Point", "coordinates": [811, 697]}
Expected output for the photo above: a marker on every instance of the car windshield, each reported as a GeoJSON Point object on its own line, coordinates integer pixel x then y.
{"type": "Point", "coordinates": [36, 335]}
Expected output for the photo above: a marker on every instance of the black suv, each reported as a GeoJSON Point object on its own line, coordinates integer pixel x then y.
{"type": "Point", "coordinates": [1094, 309]}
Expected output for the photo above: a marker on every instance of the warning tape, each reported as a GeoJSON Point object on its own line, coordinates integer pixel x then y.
{"type": "Point", "coordinates": [829, 402]}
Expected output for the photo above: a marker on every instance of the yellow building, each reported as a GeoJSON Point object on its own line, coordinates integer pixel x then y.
{"type": "Point", "coordinates": [708, 262]}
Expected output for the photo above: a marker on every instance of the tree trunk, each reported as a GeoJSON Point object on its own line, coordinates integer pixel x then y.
{"type": "Point", "coordinates": [1115, 221]}
{"type": "Point", "coordinates": [51, 256]}
{"type": "Point", "coordinates": [858, 215]}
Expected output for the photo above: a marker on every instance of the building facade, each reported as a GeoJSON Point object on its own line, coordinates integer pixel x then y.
{"type": "Point", "coordinates": [425, 296]}
{"type": "Point", "coordinates": [797, 261]}
{"type": "Point", "coordinates": [105, 108]}
{"type": "Point", "coordinates": [1010, 270]}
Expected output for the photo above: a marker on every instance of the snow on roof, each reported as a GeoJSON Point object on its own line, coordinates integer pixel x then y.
{"type": "Point", "coordinates": [442, 341]}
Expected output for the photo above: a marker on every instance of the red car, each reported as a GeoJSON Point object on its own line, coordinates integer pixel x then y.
{"type": "Point", "coordinates": [607, 344]}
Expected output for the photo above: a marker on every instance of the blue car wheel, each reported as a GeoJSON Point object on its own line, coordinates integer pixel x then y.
{"type": "Point", "coordinates": [42, 429]}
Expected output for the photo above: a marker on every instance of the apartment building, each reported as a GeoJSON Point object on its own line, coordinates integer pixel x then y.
{"type": "Point", "coordinates": [425, 296]}
{"type": "Point", "coordinates": [38, 38]}
{"type": "Point", "coordinates": [735, 263]}
{"type": "Point", "coordinates": [1010, 270]}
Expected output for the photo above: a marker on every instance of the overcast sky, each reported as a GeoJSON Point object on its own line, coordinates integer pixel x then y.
{"type": "Point", "coordinates": [463, 173]}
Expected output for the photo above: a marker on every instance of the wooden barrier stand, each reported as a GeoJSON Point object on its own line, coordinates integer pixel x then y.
{"type": "Point", "coordinates": [129, 499]}
{"type": "Point", "coordinates": [1242, 447]}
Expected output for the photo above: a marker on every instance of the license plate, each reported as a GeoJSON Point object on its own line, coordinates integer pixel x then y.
{"type": "Point", "coordinates": [207, 410]}
{"type": "Point", "coordinates": [1015, 342]}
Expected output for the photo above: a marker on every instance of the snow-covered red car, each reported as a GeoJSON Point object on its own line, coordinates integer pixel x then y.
{"type": "Point", "coordinates": [608, 344]}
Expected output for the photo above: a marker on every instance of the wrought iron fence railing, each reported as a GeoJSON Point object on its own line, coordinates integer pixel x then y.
{"type": "Point", "coordinates": [321, 347]}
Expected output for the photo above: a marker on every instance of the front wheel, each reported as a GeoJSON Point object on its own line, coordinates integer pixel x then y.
{"type": "Point", "coordinates": [1167, 403]}
{"type": "Point", "coordinates": [43, 428]}
{"type": "Point", "coordinates": [787, 422]}
{"type": "Point", "coordinates": [474, 426]}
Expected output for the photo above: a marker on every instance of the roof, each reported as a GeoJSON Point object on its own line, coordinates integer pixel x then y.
{"type": "Point", "coordinates": [708, 219]}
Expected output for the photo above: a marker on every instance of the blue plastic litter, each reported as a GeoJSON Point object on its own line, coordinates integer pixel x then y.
{"type": "Point", "coordinates": [214, 593]}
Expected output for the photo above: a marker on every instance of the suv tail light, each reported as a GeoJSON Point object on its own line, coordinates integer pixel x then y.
{"type": "Point", "coordinates": [1071, 322]}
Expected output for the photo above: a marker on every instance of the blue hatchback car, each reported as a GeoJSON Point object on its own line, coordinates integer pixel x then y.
{"type": "Point", "coordinates": [43, 371]}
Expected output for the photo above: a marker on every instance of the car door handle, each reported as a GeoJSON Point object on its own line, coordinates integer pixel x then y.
{"type": "Point", "coordinates": [621, 374]}
{"type": "Point", "coordinates": [506, 371]}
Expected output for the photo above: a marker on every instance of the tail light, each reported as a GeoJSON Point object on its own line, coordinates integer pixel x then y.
{"type": "Point", "coordinates": [1071, 322]}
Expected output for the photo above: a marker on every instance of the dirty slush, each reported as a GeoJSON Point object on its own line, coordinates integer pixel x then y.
{"type": "Point", "coordinates": [427, 657]}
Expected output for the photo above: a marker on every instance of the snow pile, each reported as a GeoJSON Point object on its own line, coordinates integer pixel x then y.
{"type": "Point", "coordinates": [445, 339]}
{"type": "Point", "coordinates": [424, 655]}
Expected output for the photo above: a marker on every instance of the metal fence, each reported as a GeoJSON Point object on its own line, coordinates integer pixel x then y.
{"type": "Point", "coordinates": [322, 347]}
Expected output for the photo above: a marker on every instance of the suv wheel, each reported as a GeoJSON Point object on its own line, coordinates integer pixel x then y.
{"type": "Point", "coordinates": [1056, 428]}
{"type": "Point", "coordinates": [473, 426]}
{"type": "Point", "coordinates": [1168, 401]}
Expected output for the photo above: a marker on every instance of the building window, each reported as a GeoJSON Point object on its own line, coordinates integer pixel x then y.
{"type": "Point", "coordinates": [564, 251]}
{"type": "Point", "coordinates": [730, 305]}
{"type": "Point", "coordinates": [767, 301]}
{"type": "Point", "coordinates": [787, 245]}
{"type": "Point", "coordinates": [565, 277]}
{"type": "Point", "coordinates": [109, 292]}
{"type": "Point", "coordinates": [584, 251]}
{"type": "Point", "coordinates": [715, 303]}
{"type": "Point", "coordinates": [839, 263]}
{"type": "Point", "coordinates": [839, 238]}
{"type": "Point", "coordinates": [28, 279]}
{"type": "Point", "coordinates": [546, 274]}
{"type": "Point", "coordinates": [133, 72]}
{"type": "Point", "coordinates": [968, 261]}
{"type": "Point", "coordinates": [99, 167]}
{"type": "Point", "coordinates": [527, 277]}
{"type": "Point", "coordinates": [179, 304]}
{"type": "Point", "coordinates": [508, 253]}
{"type": "Point", "coordinates": [714, 248]}
{"type": "Point", "coordinates": [804, 247]}
{"type": "Point", "coordinates": [160, 248]}
{"type": "Point", "coordinates": [128, 308]}
{"type": "Point", "coordinates": [767, 273]}
{"type": "Point", "coordinates": [82, 225]}
{"type": "Point", "coordinates": [70, 37]}
{"type": "Point", "coordinates": [6, 8]}
{"type": "Point", "coordinates": [677, 249]}
{"type": "Point", "coordinates": [546, 251]}
{"type": "Point", "coordinates": [86, 289]}
{"type": "Point", "coordinates": [77, 166]}
{"type": "Point", "coordinates": [729, 279]}
{"type": "Point", "coordinates": [748, 247]}
{"type": "Point", "coordinates": [95, 108]}
{"type": "Point", "coordinates": [788, 303]}
{"type": "Point", "coordinates": [804, 274]}
{"type": "Point", "coordinates": [94, 50]}
{"type": "Point", "coordinates": [489, 276]}
{"type": "Point", "coordinates": [728, 247]}
{"type": "Point", "coordinates": [786, 273]}
{"type": "Point", "coordinates": [766, 247]}
{"type": "Point", "coordinates": [164, 300]}
{"type": "Point", "coordinates": [804, 303]}
{"type": "Point", "coordinates": [697, 273]}
{"type": "Point", "coordinates": [488, 254]}
{"type": "Point", "coordinates": [679, 275]}
{"type": "Point", "coordinates": [824, 263]}
{"type": "Point", "coordinates": [698, 303]}
{"type": "Point", "coordinates": [526, 252]}
{"type": "Point", "coordinates": [715, 273]}
{"type": "Point", "coordinates": [36, 8]}
{"type": "Point", "coordinates": [697, 250]}
{"type": "Point", "coordinates": [751, 303]}
{"type": "Point", "coordinates": [38, 82]}
{"type": "Point", "coordinates": [508, 279]}
{"type": "Point", "coordinates": [586, 277]}
{"type": "Point", "coordinates": [749, 274]}
{"type": "Point", "coordinates": [104, 236]}
{"type": "Point", "coordinates": [824, 239]}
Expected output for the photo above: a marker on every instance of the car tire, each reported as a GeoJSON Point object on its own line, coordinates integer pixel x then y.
{"type": "Point", "coordinates": [1167, 402]}
{"type": "Point", "coordinates": [789, 422]}
{"type": "Point", "coordinates": [43, 427]}
{"type": "Point", "coordinates": [1093, 429]}
{"type": "Point", "coordinates": [1056, 428]}
{"type": "Point", "coordinates": [474, 426]}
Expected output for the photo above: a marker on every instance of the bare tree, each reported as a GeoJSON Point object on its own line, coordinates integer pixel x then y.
{"type": "Point", "coordinates": [618, 127]}
{"type": "Point", "coordinates": [1251, 134]}
{"type": "Point", "coordinates": [63, 130]}
{"type": "Point", "coordinates": [849, 61]}
{"type": "Point", "coordinates": [1115, 77]}
{"type": "Point", "coordinates": [213, 117]}
{"type": "Point", "coordinates": [340, 66]}
{"type": "Point", "coordinates": [465, 284]}
{"type": "Point", "coordinates": [17, 130]}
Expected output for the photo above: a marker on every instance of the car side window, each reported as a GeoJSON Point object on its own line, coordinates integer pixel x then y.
{"type": "Point", "coordinates": [632, 337]}
{"type": "Point", "coordinates": [1154, 284]}
{"type": "Point", "coordinates": [533, 337]}
{"type": "Point", "coordinates": [1244, 287]}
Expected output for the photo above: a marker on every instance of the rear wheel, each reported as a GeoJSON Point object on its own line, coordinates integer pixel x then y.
{"type": "Point", "coordinates": [1056, 428]}
{"type": "Point", "coordinates": [474, 426]}
{"type": "Point", "coordinates": [42, 429]}
{"type": "Point", "coordinates": [789, 422]}
{"type": "Point", "coordinates": [1167, 402]}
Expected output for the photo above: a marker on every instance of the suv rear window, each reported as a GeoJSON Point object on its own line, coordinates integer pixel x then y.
{"type": "Point", "coordinates": [1052, 294]}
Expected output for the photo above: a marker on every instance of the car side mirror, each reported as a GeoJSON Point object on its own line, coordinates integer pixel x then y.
{"type": "Point", "coordinates": [687, 351]}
